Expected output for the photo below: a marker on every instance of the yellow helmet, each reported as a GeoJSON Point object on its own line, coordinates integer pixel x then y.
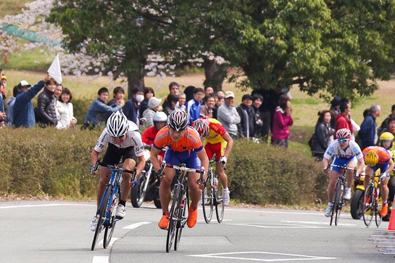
{"type": "Point", "coordinates": [371, 158]}
{"type": "Point", "coordinates": [386, 136]}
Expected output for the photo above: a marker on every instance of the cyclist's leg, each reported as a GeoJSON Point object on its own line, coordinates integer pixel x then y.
{"type": "Point", "coordinates": [101, 186]}
{"type": "Point", "coordinates": [126, 184]}
{"type": "Point", "coordinates": [333, 175]}
{"type": "Point", "coordinates": [167, 179]}
{"type": "Point", "coordinates": [219, 152]}
{"type": "Point", "coordinates": [350, 174]}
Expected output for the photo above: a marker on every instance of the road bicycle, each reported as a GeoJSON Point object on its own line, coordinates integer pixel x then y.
{"type": "Point", "coordinates": [108, 204]}
{"type": "Point", "coordinates": [371, 201]}
{"type": "Point", "coordinates": [180, 204]}
{"type": "Point", "coordinates": [338, 200]}
{"type": "Point", "coordinates": [212, 196]}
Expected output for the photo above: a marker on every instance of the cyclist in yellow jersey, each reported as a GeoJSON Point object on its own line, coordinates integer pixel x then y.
{"type": "Point", "coordinates": [216, 141]}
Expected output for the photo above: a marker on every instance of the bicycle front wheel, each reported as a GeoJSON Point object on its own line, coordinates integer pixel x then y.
{"type": "Point", "coordinates": [208, 201]}
{"type": "Point", "coordinates": [368, 205]}
{"type": "Point", "coordinates": [181, 220]}
{"type": "Point", "coordinates": [173, 218]}
{"type": "Point", "coordinates": [219, 202]}
{"type": "Point", "coordinates": [339, 203]}
{"type": "Point", "coordinates": [102, 215]}
{"type": "Point", "coordinates": [377, 214]}
{"type": "Point", "coordinates": [109, 228]}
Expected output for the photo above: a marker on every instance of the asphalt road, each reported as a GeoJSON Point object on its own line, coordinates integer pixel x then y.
{"type": "Point", "coordinates": [42, 231]}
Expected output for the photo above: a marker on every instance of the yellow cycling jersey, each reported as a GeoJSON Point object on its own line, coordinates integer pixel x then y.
{"type": "Point", "coordinates": [216, 132]}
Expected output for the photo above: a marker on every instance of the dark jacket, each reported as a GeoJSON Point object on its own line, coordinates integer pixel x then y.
{"type": "Point", "coordinates": [384, 124]}
{"type": "Point", "coordinates": [131, 110]}
{"type": "Point", "coordinates": [23, 107]}
{"type": "Point", "coordinates": [368, 131]}
{"type": "Point", "coordinates": [323, 132]}
{"type": "Point", "coordinates": [257, 118]}
{"type": "Point", "coordinates": [246, 127]}
{"type": "Point", "coordinates": [46, 110]}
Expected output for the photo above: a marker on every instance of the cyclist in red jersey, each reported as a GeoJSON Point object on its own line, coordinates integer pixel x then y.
{"type": "Point", "coordinates": [148, 136]}
{"type": "Point", "coordinates": [185, 147]}
{"type": "Point", "coordinates": [377, 157]}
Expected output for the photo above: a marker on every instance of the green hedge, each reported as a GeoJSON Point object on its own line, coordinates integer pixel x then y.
{"type": "Point", "coordinates": [56, 163]}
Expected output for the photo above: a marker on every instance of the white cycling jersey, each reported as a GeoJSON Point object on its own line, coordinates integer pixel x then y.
{"type": "Point", "coordinates": [352, 150]}
{"type": "Point", "coordinates": [133, 138]}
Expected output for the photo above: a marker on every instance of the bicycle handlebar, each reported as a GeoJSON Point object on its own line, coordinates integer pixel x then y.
{"type": "Point", "coordinates": [343, 167]}
{"type": "Point", "coordinates": [114, 168]}
{"type": "Point", "coordinates": [184, 169]}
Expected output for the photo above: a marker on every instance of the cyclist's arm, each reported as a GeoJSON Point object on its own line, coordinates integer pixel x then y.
{"type": "Point", "coordinates": [325, 162]}
{"type": "Point", "coordinates": [229, 146]}
{"type": "Point", "coordinates": [94, 158]}
{"type": "Point", "coordinates": [154, 158]}
{"type": "Point", "coordinates": [390, 167]}
{"type": "Point", "coordinates": [360, 166]}
{"type": "Point", "coordinates": [202, 155]}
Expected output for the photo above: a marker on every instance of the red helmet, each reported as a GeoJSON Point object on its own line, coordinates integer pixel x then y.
{"type": "Point", "coordinates": [343, 134]}
{"type": "Point", "coordinates": [202, 126]}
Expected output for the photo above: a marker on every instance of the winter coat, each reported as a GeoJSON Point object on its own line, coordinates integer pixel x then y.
{"type": "Point", "coordinates": [321, 140]}
{"type": "Point", "coordinates": [46, 108]}
{"type": "Point", "coordinates": [246, 127]}
{"type": "Point", "coordinates": [281, 123]}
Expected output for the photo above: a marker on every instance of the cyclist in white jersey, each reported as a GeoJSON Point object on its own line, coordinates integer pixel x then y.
{"type": "Point", "coordinates": [345, 152]}
{"type": "Point", "coordinates": [124, 141]}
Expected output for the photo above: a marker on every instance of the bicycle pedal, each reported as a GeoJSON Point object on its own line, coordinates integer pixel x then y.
{"type": "Point", "coordinates": [117, 218]}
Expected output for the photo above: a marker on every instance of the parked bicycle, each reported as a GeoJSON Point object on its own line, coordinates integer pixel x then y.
{"type": "Point", "coordinates": [338, 200]}
{"type": "Point", "coordinates": [108, 204]}
{"type": "Point", "coordinates": [180, 203]}
{"type": "Point", "coordinates": [147, 188]}
{"type": "Point", "coordinates": [371, 201]}
{"type": "Point", "coordinates": [212, 196]}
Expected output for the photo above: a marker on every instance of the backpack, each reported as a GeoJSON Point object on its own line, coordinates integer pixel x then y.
{"type": "Point", "coordinates": [310, 142]}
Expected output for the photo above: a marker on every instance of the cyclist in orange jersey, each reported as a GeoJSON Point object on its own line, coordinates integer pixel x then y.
{"type": "Point", "coordinates": [184, 146]}
{"type": "Point", "coordinates": [378, 157]}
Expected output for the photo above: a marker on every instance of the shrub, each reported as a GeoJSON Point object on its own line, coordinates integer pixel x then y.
{"type": "Point", "coordinates": [263, 174]}
{"type": "Point", "coordinates": [80, 107]}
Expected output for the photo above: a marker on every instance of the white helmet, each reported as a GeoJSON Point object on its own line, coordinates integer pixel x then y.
{"type": "Point", "coordinates": [117, 124]}
{"type": "Point", "coordinates": [160, 116]}
{"type": "Point", "coordinates": [178, 120]}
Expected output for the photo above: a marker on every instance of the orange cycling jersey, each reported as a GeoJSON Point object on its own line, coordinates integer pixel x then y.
{"type": "Point", "coordinates": [383, 154]}
{"type": "Point", "coordinates": [190, 140]}
{"type": "Point", "coordinates": [216, 132]}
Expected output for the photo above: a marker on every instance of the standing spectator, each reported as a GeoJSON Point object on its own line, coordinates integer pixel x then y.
{"type": "Point", "coordinates": [368, 132]}
{"type": "Point", "coordinates": [207, 91]}
{"type": "Point", "coordinates": [384, 124]}
{"type": "Point", "coordinates": [23, 108]}
{"type": "Point", "coordinates": [343, 119]}
{"type": "Point", "coordinates": [281, 122]}
{"type": "Point", "coordinates": [256, 104]}
{"type": "Point", "coordinates": [246, 127]}
{"type": "Point", "coordinates": [391, 127]}
{"type": "Point", "coordinates": [10, 106]}
{"type": "Point", "coordinates": [2, 104]}
{"type": "Point", "coordinates": [221, 93]}
{"type": "Point", "coordinates": [58, 91]}
{"type": "Point", "coordinates": [323, 135]}
{"type": "Point", "coordinates": [118, 97]}
{"type": "Point", "coordinates": [65, 109]}
{"type": "Point", "coordinates": [99, 110]}
{"type": "Point", "coordinates": [189, 92]}
{"type": "Point", "coordinates": [335, 109]}
{"type": "Point", "coordinates": [148, 93]}
{"type": "Point", "coordinates": [46, 106]}
{"type": "Point", "coordinates": [209, 109]}
{"type": "Point", "coordinates": [132, 106]}
{"type": "Point", "coordinates": [194, 105]}
{"type": "Point", "coordinates": [182, 99]}
{"type": "Point", "coordinates": [170, 103]}
{"type": "Point", "coordinates": [174, 88]}
{"type": "Point", "coordinates": [153, 106]}
{"type": "Point", "coordinates": [219, 101]}
{"type": "Point", "coordinates": [228, 116]}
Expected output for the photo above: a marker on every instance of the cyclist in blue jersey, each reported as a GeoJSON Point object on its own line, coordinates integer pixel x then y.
{"type": "Point", "coordinates": [345, 152]}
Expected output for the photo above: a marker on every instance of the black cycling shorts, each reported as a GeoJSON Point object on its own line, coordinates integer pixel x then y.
{"type": "Point", "coordinates": [114, 154]}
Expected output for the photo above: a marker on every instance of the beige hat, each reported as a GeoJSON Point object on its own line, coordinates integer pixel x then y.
{"type": "Point", "coordinates": [229, 94]}
{"type": "Point", "coordinates": [154, 102]}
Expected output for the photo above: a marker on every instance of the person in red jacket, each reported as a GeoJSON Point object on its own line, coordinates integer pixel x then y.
{"type": "Point", "coordinates": [281, 121]}
{"type": "Point", "coordinates": [343, 119]}
{"type": "Point", "coordinates": [148, 136]}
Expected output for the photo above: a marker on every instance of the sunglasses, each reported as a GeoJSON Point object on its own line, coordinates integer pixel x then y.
{"type": "Point", "coordinates": [120, 137]}
{"type": "Point", "coordinates": [342, 140]}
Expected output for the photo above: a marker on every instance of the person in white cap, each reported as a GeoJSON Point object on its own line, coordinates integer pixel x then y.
{"type": "Point", "coordinates": [228, 116]}
{"type": "Point", "coordinates": [23, 108]}
{"type": "Point", "coordinates": [153, 106]}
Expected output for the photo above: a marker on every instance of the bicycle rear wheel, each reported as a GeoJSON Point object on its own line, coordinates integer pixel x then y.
{"type": "Point", "coordinates": [208, 201]}
{"type": "Point", "coordinates": [181, 221]}
{"type": "Point", "coordinates": [219, 202]}
{"type": "Point", "coordinates": [109, 228]}
{"type": "Point", "coordinates": [173, 217]}
{"type": "Point", "coordinates": [335, 201]}
{"type": "Point", "coordinates": [102, 215]}
{"type": "Point", "coordinates": [376, 209]}
{"type": "Point", "coordinates": [368, 205]}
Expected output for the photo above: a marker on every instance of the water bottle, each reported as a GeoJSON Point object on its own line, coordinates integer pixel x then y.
{"type": "Point", "coordinates": [215, 183]}
{"type": "Point", "coordinates": [183, 201]}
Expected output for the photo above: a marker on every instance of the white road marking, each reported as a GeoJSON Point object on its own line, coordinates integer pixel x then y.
{"type": "Point", "coordinates": [46, 205]}
{"type": "Point", "coordinates": [281, 226]}
{"type": "Point", "coordinates": [100, 259]}
{"type": "Point", "coordinates": [315, 223]}
{"type": "Point", "coordinates": [293, 257]}
{"type": "Point", "coordinates": [113, 239]}
{"type": "Point", "coordinates": [274, 212]}
{"type": "Point", "coordinates": [136, 225]}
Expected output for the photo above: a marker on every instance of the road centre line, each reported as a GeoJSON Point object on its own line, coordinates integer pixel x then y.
{"type": "Point", "coordinates": [46, 205]}
{"type": "Point", "coordinates": [297, 257]}
{"type": "Point", "coordinates": [136, 225]}
{"type": "Point", "coordinates": [314, 223]}
{"type": "Point", "coordinates": [100, 259]}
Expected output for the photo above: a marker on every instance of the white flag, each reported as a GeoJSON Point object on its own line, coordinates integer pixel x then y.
{"type": "Point", "coordinates": [54, 70]}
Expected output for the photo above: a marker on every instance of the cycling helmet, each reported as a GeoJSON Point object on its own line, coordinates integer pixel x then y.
{"type": "Point", "coordinates": [371, 158]}
{"type": "Point", "coordinates": [343, 134]}
{"type": "Point", "coordinates": [117, 124]}
{"type": "Point", "coordinates": [178, 120]}
{"type": "Point", "coordinates": [202, 126]}
{"type": "Point", "coordinates": [160, 116]}
{"type": "Point", "coordinates": [386, 136]}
